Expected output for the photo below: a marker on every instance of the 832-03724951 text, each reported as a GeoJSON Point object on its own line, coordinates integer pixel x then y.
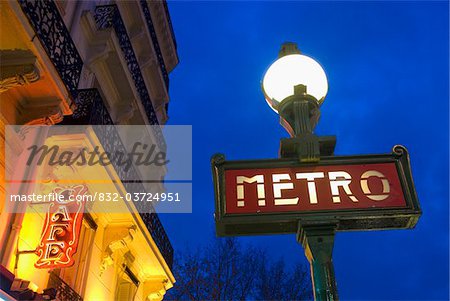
{"type": "Point", "coordinates": [98, 196]}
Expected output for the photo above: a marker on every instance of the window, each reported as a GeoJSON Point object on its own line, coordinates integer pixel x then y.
{"type": "Point", "coordinates": [127, 285]}
{"type": "Point", "coordinates": [76, 275]}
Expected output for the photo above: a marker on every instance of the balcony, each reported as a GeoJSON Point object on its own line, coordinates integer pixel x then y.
{"type": "Point", "coordinates": [151, 30]}
{"type": "Point", "coordinates": [107, 17]}
{"type": "Point", "coordinates": [56, 40]}
{"type": "Point", "coordinates": [164, 31]}
{"type": "Point", "coordinates": [91, 110]}
{"type": "Point", "coordinates": [166, 9]}
{"type": "Point", "coordinates": [63, 290]}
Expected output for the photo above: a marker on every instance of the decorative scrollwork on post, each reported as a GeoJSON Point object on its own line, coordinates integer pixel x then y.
{"type": "Point", "coordinates": [399, 150]}
{"type": "Point", "coordinates": [218, 159]}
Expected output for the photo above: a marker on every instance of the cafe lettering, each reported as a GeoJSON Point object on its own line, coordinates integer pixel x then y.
{"type": "Point", "coordinates": [61, 230]}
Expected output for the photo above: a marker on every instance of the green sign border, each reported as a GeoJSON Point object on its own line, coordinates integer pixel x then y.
{"type": "Point", "coordinates": [346, 220]}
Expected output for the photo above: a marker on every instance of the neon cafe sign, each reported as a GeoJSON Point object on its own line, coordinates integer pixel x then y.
{"type": "Point", "coordinates": [61, 230]}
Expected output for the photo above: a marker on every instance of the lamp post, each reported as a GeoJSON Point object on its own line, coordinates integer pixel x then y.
{"type": "Point", "coordinates": [274, 196]}
{"type": "Point", "coordinates": [295, 86]}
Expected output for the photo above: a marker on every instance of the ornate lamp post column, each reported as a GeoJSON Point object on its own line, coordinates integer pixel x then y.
{"type": "Point", "coordinates": [300, 193]}
{"type": "Point", "coordinates": [295, 86]}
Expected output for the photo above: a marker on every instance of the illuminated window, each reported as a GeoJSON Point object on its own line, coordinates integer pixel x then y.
{"type": "Point", "coordinates": [76, 275]}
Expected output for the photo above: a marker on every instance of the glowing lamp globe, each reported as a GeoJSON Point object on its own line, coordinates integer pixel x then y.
{"type": "Point", "coordinates": [292, 70]}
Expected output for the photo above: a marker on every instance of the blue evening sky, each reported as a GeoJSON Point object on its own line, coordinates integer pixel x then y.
{"type": "Point", "coordinates": [387, 65]}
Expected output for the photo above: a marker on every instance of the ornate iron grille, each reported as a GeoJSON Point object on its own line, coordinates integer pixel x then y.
{"type": "Point", "coordinates": [56, 40]}
{"type": "Point", "coordinates": [108, 16]}
{"type": "Point", "coordinates": [91, 110]}
{"type": "Point", "coordinates": [151, 30]}
{"type": "Point", "coordinates": [63, 291]}
{"type": "Point", "coordinates": [159, 236]}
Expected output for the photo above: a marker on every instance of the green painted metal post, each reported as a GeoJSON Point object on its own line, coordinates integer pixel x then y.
{"type": "Point", "coordinates": [299, 114]}
{"type": "Point", "coordinates": [317, 241]}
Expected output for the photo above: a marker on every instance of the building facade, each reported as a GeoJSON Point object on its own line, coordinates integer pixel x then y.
{"type": "Point", "coordinates": [84, 63]}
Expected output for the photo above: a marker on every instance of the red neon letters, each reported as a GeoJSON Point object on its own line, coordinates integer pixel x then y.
{"type": "Point", "coordinates": [61, 230]}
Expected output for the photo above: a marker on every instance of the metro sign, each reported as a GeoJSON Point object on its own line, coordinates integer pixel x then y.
{"type": "Point", "coordinates": [300, 188]}
{"type": "Point", "coordinates": [272, 196]}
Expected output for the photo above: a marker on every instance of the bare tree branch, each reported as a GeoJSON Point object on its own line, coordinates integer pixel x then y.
{"type": "Point", "coordinates": [228, 270]}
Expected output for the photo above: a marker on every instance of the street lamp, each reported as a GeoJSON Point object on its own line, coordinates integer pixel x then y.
{"type": "Point", "coordinates": [295, 86]}
{"type": "Point", "coordinates": [292, 69]}
{"type": "Point", "coordinates": [309, 191]}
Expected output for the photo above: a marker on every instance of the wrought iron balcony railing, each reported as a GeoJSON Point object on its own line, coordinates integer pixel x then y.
{"type": "Point", "coordinates": [159, 235]}
{"type": "Point", "coordinates": [63, 290]}
{"type": "Point", "coordinates": [56, 40]}
{"type": "Point", "coordinates": [108, 16]}
{"type": "Point", "coordinates": [170, 23]}
{"type": "Point", "coordinates": [91, 110]}
{"type": "Point", "coordinates": [151, 30]}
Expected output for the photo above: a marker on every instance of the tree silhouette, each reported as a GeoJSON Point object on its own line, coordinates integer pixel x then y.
{"type": "Point", "coordinates": [228, 270]}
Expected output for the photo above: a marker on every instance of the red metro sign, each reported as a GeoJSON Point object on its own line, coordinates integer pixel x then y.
{"type": "Point", "coordinates": [304, 188]}
{"type": "Point", "coordinates": [272, 196]}
{"type": "Point", "coordinates": [62, 225]}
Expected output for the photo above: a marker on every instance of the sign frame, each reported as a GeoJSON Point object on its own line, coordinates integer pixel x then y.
{"type": "Point", "coordinates": [346, 219]}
